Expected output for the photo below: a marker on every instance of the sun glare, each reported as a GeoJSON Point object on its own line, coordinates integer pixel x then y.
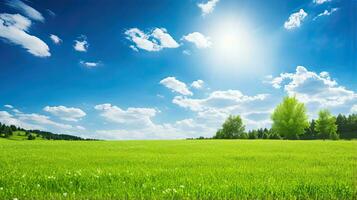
{"type": "Point", "coordinates": [234, 45]}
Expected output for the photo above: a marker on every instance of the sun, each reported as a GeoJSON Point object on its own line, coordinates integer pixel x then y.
{"type": "Point", "coordinates": [234, 45]}
{"type": "Point", "coordinates": [233, 42]}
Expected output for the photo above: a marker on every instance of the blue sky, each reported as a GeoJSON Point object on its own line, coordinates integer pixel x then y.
{"type": "Point", "coordinates": [171, 69]}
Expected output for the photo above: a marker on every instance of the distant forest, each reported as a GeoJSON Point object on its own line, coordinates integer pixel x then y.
{"type": "Point", "coordinates": [7, 131]}
{"type": "Point", "coordinates": [290, 121]}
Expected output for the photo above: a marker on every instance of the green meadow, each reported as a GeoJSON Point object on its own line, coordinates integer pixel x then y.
{"type": "Point", "coordinates": [178, 169]}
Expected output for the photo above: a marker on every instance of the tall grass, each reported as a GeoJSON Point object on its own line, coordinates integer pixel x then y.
{"type": "Point", "coordinates": [208, 169]}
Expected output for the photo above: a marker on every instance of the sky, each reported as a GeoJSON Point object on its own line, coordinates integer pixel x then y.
{"type": "Point", "coordinates": [172, 69]}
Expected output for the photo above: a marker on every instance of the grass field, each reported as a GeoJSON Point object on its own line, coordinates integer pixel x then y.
{"type": "Point", "coordinates": [186, 169]}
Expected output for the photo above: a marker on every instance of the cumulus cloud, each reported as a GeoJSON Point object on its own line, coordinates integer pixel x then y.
{"type": "Point", "coordinates": [130, 116]}
{"type": "Point", "coordinates": [208, 115]}
{"type": "Point", "coordinates": [321, 1]}
{"type": "Point", "coordinates": [55, 39]}
{"type": "Point", "coordinates": [89, 64]}
{"type": "Point", "coordinates": [311, 87]}
{"type": "Point", "coordinates": [326, 13]}
{"type": "Point", "coordinates": [217, 99]}
{"type": "Point", "coordinates": [176, 85]}
{"type": "Point", "coordinates": [214, 109]}
{"type": "Point", "coordinates": [177, 130]}
{"type": "Point", "coordinates": [65, 113]}
{"type": "Point", "coordinates": [26, 10]}
{"type": "Point", "coordinates": [207, 7]}
{"type": "Point", "coordinates": [14, 29]}
{"type": "Point", "coordinates": [157, 40]}
{"type": "Point", "coordinates": [198, 39]}
{"type": "Point", "coordinates": [81, 44]}
{"type": "Point", "coordinates": [295, 20]}
{"type": "Point", "coordinates": [197, 84]}
{"type": "Point", "coordinates": [166, 41]}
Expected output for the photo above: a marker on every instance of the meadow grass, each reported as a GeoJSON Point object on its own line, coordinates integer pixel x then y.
{"type": "Point", "coordinates": [180, 169]}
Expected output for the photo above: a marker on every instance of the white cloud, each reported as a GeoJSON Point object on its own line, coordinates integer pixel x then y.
{"type": "Point", "coordinates": [131, 116]}
{"type": "Point", "coordinates": [354, 109]}
{"type": "Point", "coordinates": [66, 113]}
{"type": "Point", "coordinates": [89, 64]}
{"type": "Point", "coordinates": [186, 128]}
{"type": "Point", "coordinates": [38, 122]}
{"type": "Point", "coordinates": [207, 7]}
{"type": "Point", "coordinates": [80, 128]}
{"type": "Point", "coordinates": [295, 19]}
{"type": "Point", "coordinates": [321, 1]}
{"type": "Point", "coordinates": [16, 111]}
{"type": "Point", "coordinates": [186, 52]}
{"type": "Point", "coordinates": [51, 13]}
{"type": "Point", "coordinates": [197, 84]}
{"type": "Point", "coordinates": [55, 39]}
{"type": "Point", "coordinates": [41, 120]}
{"type": "Point", "coordinates": [198, 39]}
{"type": "Point", "coordinates": [326, 13]}
{"type": "Point", "coordinates": [213, 110]}
{"type": "Point", "coordinates": [8, 119]}
{"type": "Point", "coordinates": [311, 87]}
{"type": "Point", "coordinates": [208, 115]}
{"type": "Point", "coordinates": [176, 85]}
{"type": "Point", "coordinates": [8, 106]}
{"type": "Point", "coordinates": [217, 100]}
{"type": "Point", "coordinates": [81, 44]}
{"type": "Point", "coordinates": [157, 40]}
{"type": "Point", "coordinates": [14, 28]}
{"type": "Point", "coordinates": [25, 9]}
{"type": "Point", "coordinates": [166, 41]}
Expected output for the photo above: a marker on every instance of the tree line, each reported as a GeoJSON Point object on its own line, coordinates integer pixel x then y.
{"type": "Point", "coordinates": [290, 121]}
{"type": "Point", "coordinates": [8, 130]}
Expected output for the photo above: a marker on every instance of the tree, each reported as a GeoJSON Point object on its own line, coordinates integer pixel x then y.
{"type": "Point", "coordinates": [31, 137]}
{"type": "Point", "coordinates": [7, 131]}
{"type": "Point", "coordinates": [326, 125]}
{"type": "Point", "coordinates": [310, 132]}
{"type": "Point", "coordinates": [232, 128]}
{"type": "Point", "coordinates": [289, 118]}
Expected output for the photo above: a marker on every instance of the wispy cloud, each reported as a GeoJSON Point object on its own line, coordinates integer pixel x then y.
{"type": "Point", "coordinates": [14, 28]}
{"type": "Point", "coordinates": [321, 1]}
{"type": "Point", "coordinates": [89, 64]}
{"type": "Point", "coordinates": [26, 10]}
{"type": "Point", "coordinates": [9, 106]}
{"type": "Point", "coordinates": [326, 13]}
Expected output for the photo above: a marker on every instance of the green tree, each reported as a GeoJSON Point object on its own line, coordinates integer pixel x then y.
{"type": "Point", "coordinates": [310, 132]}
{"type": "Point", "coordinates": [232, 128]}
{"type": "Point", "coordinates": [289, 118]}
{"type": "Point", "coordinates": [31, 137]}
{"type": "Point", "coordinates": [326, 125]}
